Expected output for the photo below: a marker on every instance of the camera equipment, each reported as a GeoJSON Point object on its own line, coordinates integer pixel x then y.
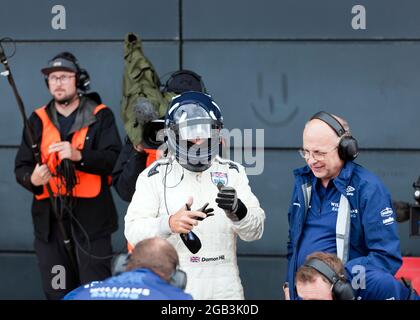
{"type": "Point", "coordinates": [183, 81]}
{"type": "Point", "coordinates": [415, 211]}
{"type": "Point", "coordinates": [407, 211]}
{"type": "Point", "coordinates": [153, 134]}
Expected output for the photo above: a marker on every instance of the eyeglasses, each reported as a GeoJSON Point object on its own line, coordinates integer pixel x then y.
{"type": "Point", "coordinates": [63, 79]}
{"type": "Point", "coordinates": [316, 155]}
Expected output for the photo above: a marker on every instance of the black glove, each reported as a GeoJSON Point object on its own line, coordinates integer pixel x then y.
{"type": "Point", "coordinates": [205, 210]}
{"type": "Point", "coordinates": [227, 199]}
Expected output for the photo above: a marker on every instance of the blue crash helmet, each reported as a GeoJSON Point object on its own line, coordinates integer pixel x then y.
{"type": "Point", "coordinates": [192, 130]}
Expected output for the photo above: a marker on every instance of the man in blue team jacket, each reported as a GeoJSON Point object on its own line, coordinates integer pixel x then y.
{"type": "Point", "coordinates": [152, 274]}
{"type": "Point", "coordinates": [338, 206]}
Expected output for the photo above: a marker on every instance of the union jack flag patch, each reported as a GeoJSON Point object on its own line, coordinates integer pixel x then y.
{"type": "Point", "coordinates": [195, 259]}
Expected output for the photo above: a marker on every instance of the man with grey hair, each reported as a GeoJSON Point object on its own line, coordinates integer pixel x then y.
{"type": "Point", "coordinates": [338, 206]}
{"type": "Point", "coordinates": [152, 274]}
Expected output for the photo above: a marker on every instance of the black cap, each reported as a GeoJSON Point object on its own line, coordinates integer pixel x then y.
{"type": "Point", "coordinates": [60, 64]}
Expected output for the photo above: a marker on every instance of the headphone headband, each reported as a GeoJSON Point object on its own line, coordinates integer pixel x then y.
{"type": "Point", "coordinates": [341, 289]}
{"type": "Point", "coordinates": [66, 61]}
{"type": "Point", "coordinates": [331, 121]}
{"type": "Point", "coordinates": [347, 147]}
{"type": "Point", "coordinates": [324, 269]}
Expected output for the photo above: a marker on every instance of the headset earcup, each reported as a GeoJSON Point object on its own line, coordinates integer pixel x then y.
{"type": "Point", "coordinates": [179, 279]}
{"type": "Point", "coordinates": [343, 291]}
{"type": "Point", "coordinates": [348, 148]}
{"type": "Point", "coordinates": [83, 80]}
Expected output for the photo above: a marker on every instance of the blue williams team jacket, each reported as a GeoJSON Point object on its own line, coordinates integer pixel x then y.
{"type": "Point", "coordinates": [380, 285]}
{"type": "Point", "coordinates": [373, 231]}
{"type": "Point", "coordinates": [138, 284]}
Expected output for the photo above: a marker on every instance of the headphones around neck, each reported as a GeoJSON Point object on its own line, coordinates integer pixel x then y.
{"type": "Point", "coordinates": [82, 76]}
{"type": "Point", "coordinates": [341, 289]}
{"type": "Point", "coordinates": [348, 149]}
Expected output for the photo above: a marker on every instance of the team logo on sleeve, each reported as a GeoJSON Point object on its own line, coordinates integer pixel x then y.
{"type": "Point", "coordinates": [386, 215]}
{"type": "Point", "coordinates": [219, 177]}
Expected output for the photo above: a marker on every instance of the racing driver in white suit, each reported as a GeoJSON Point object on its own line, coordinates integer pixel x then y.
{"type": "Point", "coordinates": [197, 200]}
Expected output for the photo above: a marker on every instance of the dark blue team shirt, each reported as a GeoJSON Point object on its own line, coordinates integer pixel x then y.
{"type": "Point", "coordinates": [319, 229]}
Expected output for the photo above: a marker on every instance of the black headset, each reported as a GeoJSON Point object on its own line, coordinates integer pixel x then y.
{"type": "Point", "coordinates": [82, 76]}
{"type": "Point", "coordinates": [341, 289]}
{"type": "Point", "coordinates": [182, 80]}
{"type": "Point", "coordinates": [348, 149]}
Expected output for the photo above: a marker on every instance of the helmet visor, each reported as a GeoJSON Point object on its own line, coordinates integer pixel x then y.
{"type": "Point", "coordinates": [193, 122]}
{"type": "Point", "coordinates": [194, 131]}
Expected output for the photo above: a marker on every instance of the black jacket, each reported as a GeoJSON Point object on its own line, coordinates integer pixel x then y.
{"type": "Point", "coordinates": [129, 165]}
{"type": "Point", "coordinates": [98, 215]}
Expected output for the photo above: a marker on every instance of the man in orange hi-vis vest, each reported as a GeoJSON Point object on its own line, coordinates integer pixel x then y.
{"type": "Point", "coordinates": [79, 145]}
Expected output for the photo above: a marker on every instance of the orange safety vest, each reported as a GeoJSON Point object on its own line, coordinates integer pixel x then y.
{"type": "Point", "coordinates": [88, 185]}
{"type": "Point", "coordinates": [151, 156]}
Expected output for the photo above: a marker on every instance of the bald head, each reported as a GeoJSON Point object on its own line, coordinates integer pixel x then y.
{"type": "Point", "coordinates": [320, 142]}
{"type": "Point", "coordinates": [156, 254]}
{"type": "Point", "coordinates": [321, 131]}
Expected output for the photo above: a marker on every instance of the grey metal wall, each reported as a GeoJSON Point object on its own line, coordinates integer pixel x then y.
{"type": "Point", "coordinates": [269, 64]}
